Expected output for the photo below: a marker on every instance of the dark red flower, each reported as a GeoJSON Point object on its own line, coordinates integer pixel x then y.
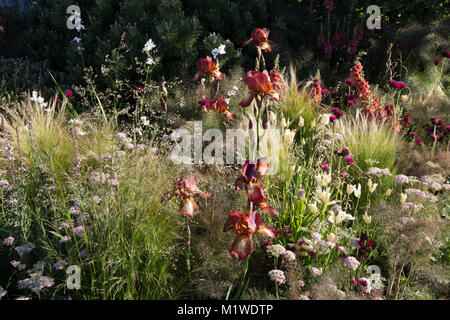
{"type": "Point", "coordinates": [245, 225]}
{"type": "Point", "coordinates": [258, 83]}
{"type": "Point", "coordinates": [437, 62]}
{"type": "Point", "coordinates": [407, 120]}
{"type": "Point", "coordinates": [219, 106]}
{"type": "Point", "coordinates": [337, 112]}
{"type": "Point", "coordinates": [349, 160]}
{"type": "Point", "coordinates": [207, 67]}
{"type": "Point", "coordinates": [260, 36]}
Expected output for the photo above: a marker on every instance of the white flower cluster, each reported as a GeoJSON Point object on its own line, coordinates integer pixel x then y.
{"type": "Point", "coordinates": [149, 46]}
{"type": "Point", "coordinates": [341, 216]}
{"type": "Point", "coordinates": [378, 172]}
{"type": "Point", "coordinates": [38, 99]}
{"type": "Point", "coordinates": [351, 263]}
{"type": "Point", "coordinates": [421, 194]}
{"type": "Point", "coordinates": [27, 247]}
{"type": "Point", "coordinates": [78, 21]}
{"type": "Point", "coordinates": [276, 250]}
{"type": "Point", "coordinates": [401, 178]}
{"type": "Point", "coordinates": [233, 91]}
{"type": "Point", "coordinates": [36, 284]}
{"type": "Point", "coordinates": [218, 51]}
{"type": "Point", "coordinates": [277, 276]}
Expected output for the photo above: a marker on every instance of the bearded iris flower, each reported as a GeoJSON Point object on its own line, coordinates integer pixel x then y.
{"type": "Point", "coordinates": [245, 225]}
{"type": "Point", "coordinates": [207, 67]}
{"type": "Point", "coordinates": [259, 83]}
{"type": "Point", "coordinates": [186, 189]}
{"type": "Point", "coordinates": [252, 174]}
{"type": "Point", "coordinates": [217, 105]}
{"type": "Point", "coordinates": [260, 36]}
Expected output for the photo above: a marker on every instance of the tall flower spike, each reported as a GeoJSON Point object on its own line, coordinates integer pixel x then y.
{"type": "Point", "coordinates": [260, 36]}
{"type": "Point", "coordinates": [258, 83]}
{"type": "Point", "coordinates": [245, 225]}
{"type": "Point", "coordinates": [252, 174]}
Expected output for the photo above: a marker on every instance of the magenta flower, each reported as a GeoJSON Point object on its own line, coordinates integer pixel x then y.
{"type": "Point", "coordinates": [412, 134]}
{"type": "Point", "coordinates": [337, 112]}
{"type": "Point", "coordinates": [397, 84]}
{"type": "Point", "coordinates": [350, 102]}
{"type": "Point", "coordinates": [324, 91]}
{"type": "Point", "coordinates": [435, 137]}
{"type": "Point", "coordinates": [332, 118]}
{"type": "Point", "coordinates": [349, 82]}
{"type": "Point", "coordinates": [58, 101]}
{"type": "Point", "coordinates": [350, 160]}
{"type": "Point", "coordinates": [419, 141]}
{"type": "Point", "coordinates": [324, 166]}
{"type": "Point", "coordinates": [437, 62]}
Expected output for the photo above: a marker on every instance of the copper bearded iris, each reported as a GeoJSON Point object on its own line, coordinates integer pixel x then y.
{"type": "Point", "coordinates": [207, 67]}
{"type": "Point", "coordinates": [252, 174]}
{"type": "Point", "coordinates": [245, 224]}
{"type": "Point", "coordinates": [217, 105]}
{"type": "Point", "coordinates": [260, 36]}
{"type": "Point", "coordinates": [259, 83]}
{"type": "Point", "coordinates": [186, 189]}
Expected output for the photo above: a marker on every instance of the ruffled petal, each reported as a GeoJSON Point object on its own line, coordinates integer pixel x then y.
{"type": "Point", "coordinates": [250, 171]}
{"type": "Point", "coordinates": [242, 246]}
{"type": "Point", "coordinates": [263, 168]}
{"type": "Point", "coordinates": [267, 232]}
{"type": "Point", "coordinates": [245, 43]}
{"type": "Point", "coordinates": [274, 95]}
{"type": "Point", "coordinates": [197, 76]}
{"type": "Point", "coordinates": [240, 183]}
{"type": "Point", "coordinates": [188, 207]}
{"type": "Point", "coordinates": [247, 100]}
{"type": "Point", "coordinates": [255, 193]}
{"type": "Point", "coordinates": [191, 185]}
{"type": "Point", "coordinates": [268, 209]}
{"type": "Point", "coordinates": [229, 115]}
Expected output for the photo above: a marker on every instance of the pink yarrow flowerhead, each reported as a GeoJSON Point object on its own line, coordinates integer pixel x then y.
{"type": "Point", "coordinates": [8, 241]}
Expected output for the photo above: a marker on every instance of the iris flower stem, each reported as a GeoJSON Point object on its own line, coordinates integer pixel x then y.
{"type": "Point", "coordinates": [188, 252]}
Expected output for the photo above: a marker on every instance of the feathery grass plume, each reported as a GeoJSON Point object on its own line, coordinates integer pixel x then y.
{"type": "Point", "coordinates": [372, 144]}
